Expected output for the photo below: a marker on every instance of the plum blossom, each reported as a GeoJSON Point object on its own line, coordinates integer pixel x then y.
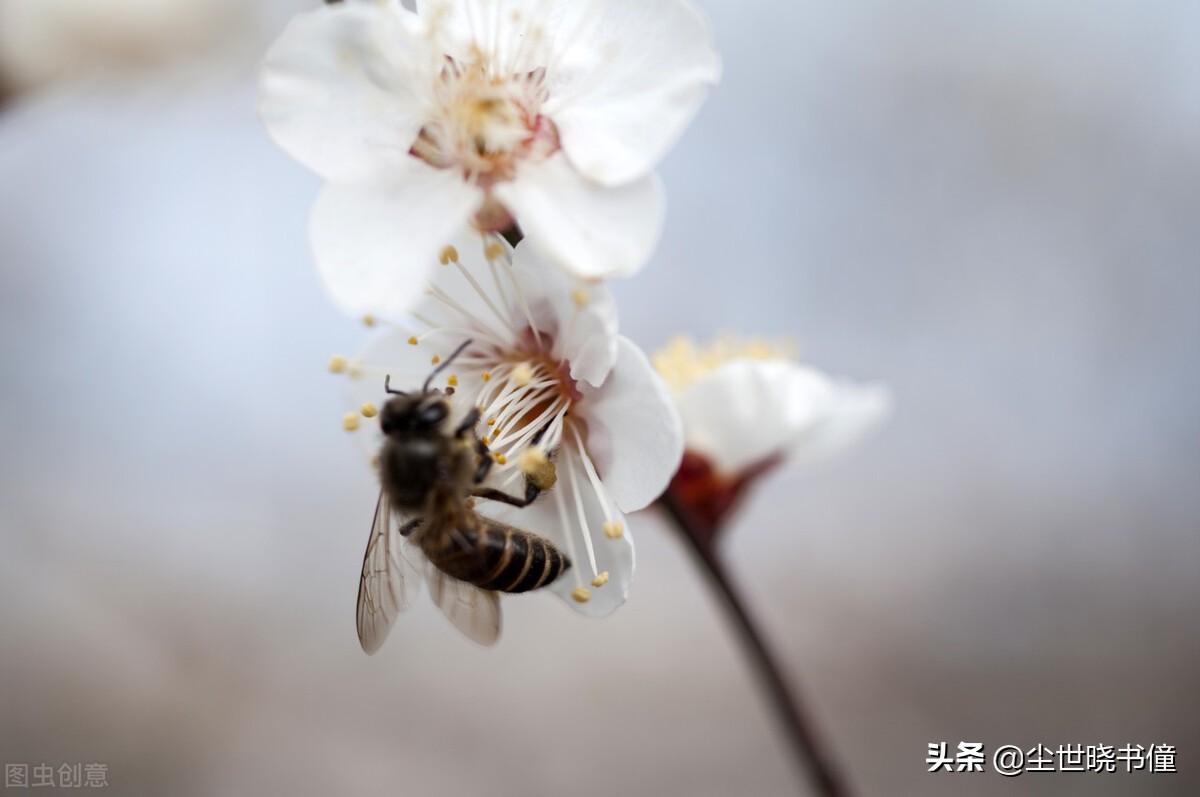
{"type": "Point", "coordinates": [748, 406]}
{"type": "Point", "coordinates": [553, 381]}
{"type": "Point", "coordinates": [548, 113]}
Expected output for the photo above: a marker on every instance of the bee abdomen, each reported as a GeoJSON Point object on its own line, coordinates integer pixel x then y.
{"type": "Point", "coordinates": [522, 561]}
{"type": "Point", "coordinates": [503, 559]}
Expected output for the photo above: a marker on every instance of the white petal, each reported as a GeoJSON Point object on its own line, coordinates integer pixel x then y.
{"type": "Point", "coordinates": [747, 411]}
{"type": "Point", "coordinates": [634, 433]}
{"type": "Point", "coordinates": [625, 89]}
{"type": "Point", "coordinates": [514, 35]}
{"type": "Point", "coordinates": [590, 230]}
{"type": "Point", "coordinates": [375, 245]}
{"type": "Point", "coordinates": [556, 516]}
{"type": "Point", "coordinates": [580, 317]}
{"type": "Point", "coordinates": [855, 412]}
{"type": "Point", "coordinates": [342, 88]}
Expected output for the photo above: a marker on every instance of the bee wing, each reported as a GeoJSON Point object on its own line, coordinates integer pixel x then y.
{"type": "Point", "coordinates": [385, 571]}
{"type": "Point", "coordinates": [474, 611]}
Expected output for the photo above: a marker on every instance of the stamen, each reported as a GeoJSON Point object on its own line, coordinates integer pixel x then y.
{"type": "Point", "coordinates": [368, 320]}
{"type": "Point", "coordinates": [354, 368]}
{"type": "Point", "coordinates": [472, 320]}
{"type": "Point", "coordinates": [493, 252]}
{"type": "Point", "coordinates": [350, 421]}
{"type": "Point", "coordinates": [337, 364]}
{"type": "Point", "coordinates": [368, 410]}
{"type": "Point", "coordinates": [600, 580]}
{"type": "Point", "coordinates": [580, 298]}
{"type": "Point", "coordinates": [413, 340]}
{"type": "Point", "coordinates": [565, 524]}
{"type": "Point", "coordinates": [502, 317]}
{"type": "Point", "coordinates": [452, 381]}
{"type": "Point", "coordinates": [448, 255]}
{"type": "Point", "coordinates": [537, 468]}
{"type": "Point", "coordinates": [612, 529]}
{"type": "Point", "coordinates": [435, 360]}
{"type": "Point", "coordinates": [486, 376]}
{"type": "Point", "coordinates": [500, 458]}
{"type": "Point", "coordinates": [522, 374]}
{"type": "Point", "coordinates": [581, 594]}
{"type": "Point", "coordinates": [582, 513]}
{"type": "Point", "coordinates": [537, 335]}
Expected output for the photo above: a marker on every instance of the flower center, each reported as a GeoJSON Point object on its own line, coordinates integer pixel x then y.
{"type": "Point", "coordinates": [484, 123]}
{"type": "Point", "coordinates": [682, 361]}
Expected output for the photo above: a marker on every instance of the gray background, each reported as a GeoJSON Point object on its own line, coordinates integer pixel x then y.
{"type": "Point", "coordinates": [992, 206]}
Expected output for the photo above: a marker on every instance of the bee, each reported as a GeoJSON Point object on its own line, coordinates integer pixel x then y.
{"type": "Point", "coordinates": [428, 475]}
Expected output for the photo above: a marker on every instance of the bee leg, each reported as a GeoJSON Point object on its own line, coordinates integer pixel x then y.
{"type": "Point", "coordinates": [492, 494]}
{"type": "Point", "coordinates": [468, 423]}
{"type": "Point", "coordinates": [485, 461]}
{"type": "Point", "coordinates": [410, 527]}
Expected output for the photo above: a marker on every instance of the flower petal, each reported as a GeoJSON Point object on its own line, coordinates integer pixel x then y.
{"type": "Point", "coordinates": [590, 230]}
{"type": "Point", "coordinates": [855, 412]}
{"type": "Point", "coordinates": [747, 411]}
{"type": "Point", "coordinates": [581, 317]}
{"type": "Point", "coordinates": [375, 245]}
{"type": "Point", "coordinates": [573, 516]}
{"type": "Point", "coordinates": [634, 433]}
{"type": "Point", "coordinates": [341, 90]}
{"type": "Point", "coordinates": [626, 87]}
{"type": "Point", "coordinates": [518, 34]}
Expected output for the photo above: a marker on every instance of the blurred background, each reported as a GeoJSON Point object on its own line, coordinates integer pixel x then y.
{"type": "Point", "coordinates": [994, 206]}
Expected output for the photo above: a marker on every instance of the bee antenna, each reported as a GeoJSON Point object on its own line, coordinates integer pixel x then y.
{"type": "Point", "coordinates": [446, 362]}
{"type": "Point", "coordinates": [387, 386]}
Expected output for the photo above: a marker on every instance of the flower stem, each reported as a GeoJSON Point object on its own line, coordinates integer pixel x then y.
{"type": "Point", "coordinates": [808, 749]}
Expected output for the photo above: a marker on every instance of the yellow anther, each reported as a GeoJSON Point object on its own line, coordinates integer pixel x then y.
{"type": "Point", "coordinates": [470, 503]}
{"type": "Point", "coordinates": [522, 374]}
{"type": "Point", "coordinates": [491, 421]}
{"type": "Point", "coordinates": [487, 376]}
{"type": "Point", "coordinates": [350, 421]}
{"type": "Point", "coordinates": [600, 580]}
{"type": "Point", "coordinates": [435, 360]}
{"type": "Point", "coordinates": [369, 410]}
{"type": "Point", "coordinates": [613, 529]}
{"type": "Point", "coordinates": [500, 458]}
{"type": "Point", "coordinates": [579, 297]}
{"type": "Point", "coordinates": [374, 460]}
{"type": "Point", "coordinates": [354, 368]}
{"type": "Point", "coordinates": [537, 468]}
{"type": "Point", "coordinates": [412, 340]}
{"type": "Point", "coordinates": [486, 441]}
{"type": "Point", "coordinates": [337, 364]}
{"type": "Point", "coordinates": [452, 381]}
{"type": "Point", "coordinates": [581, 594]}
{"type": "Point", "coordinates": [368, 320]}
{"type": "Point", "coordinates": [682, 361]}
{"type": "Point", "coordinates": [494, 251]}
{"type": "Point", "coordinates": [449, 255]}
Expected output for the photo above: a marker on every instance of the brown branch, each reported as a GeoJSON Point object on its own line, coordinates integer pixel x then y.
{"type": "Point", "coordinates": [809, 750]}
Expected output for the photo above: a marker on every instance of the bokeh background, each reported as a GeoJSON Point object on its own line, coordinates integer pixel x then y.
{"type": "Point", "coordinates": [993, 206]}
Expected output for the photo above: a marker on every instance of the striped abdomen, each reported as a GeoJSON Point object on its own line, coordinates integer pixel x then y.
{"type": "Point", "coordinates": [496, 556]}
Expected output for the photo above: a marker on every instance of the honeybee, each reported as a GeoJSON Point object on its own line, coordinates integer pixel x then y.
{"type": "Point", "coordinates": [428, 476]}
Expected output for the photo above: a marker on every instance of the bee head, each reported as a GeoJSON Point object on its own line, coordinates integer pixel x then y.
{"type": "Point", "coordinates": [414, 412]}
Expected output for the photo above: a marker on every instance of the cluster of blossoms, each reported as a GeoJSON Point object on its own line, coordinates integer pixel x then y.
{"type": "Point", "coordinates": [446, 132]}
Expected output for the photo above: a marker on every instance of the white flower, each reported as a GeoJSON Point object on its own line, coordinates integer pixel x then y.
{"type": "Point", "coordinates": [549, 112]}
{"type": "Point", "coordinates": [545, 358]}
{"type": "Point", "coordinates": [746, 405]}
